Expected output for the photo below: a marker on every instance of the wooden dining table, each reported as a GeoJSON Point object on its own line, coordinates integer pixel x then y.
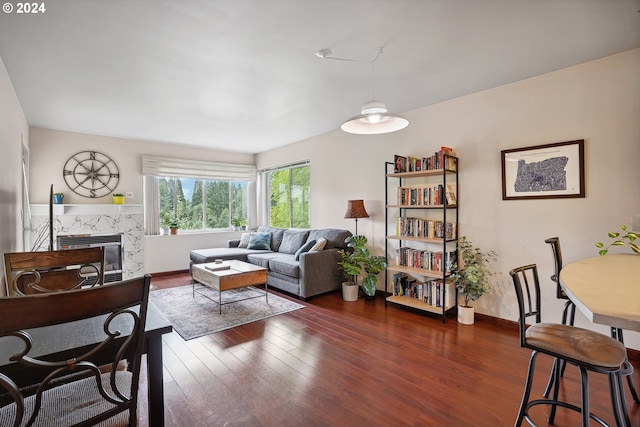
{"type": "Point", "coordinates": [606, 289]}
{"type": "Point", "coordinates": [54, 340]}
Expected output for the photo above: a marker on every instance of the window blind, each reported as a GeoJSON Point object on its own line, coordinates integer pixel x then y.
{"type": "Point", "coordinates": [170, 167]}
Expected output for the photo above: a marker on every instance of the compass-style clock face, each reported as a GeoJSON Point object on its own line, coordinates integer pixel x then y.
{"type": "Point", "coordinates": [91, 174]}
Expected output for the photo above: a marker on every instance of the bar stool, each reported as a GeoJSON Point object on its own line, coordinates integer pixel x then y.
{"type": "Point", "coordinates": [568, 317]}
{"type": "Point", "coordinates": [569, 310]}
{"type": "Point", "coordinates": [586, 349]}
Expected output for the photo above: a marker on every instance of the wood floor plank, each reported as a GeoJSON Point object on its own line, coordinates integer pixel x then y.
{"type": "Point", "coordinates": [337, 363]}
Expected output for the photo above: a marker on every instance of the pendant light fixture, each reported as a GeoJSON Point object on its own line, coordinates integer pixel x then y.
{"type": "Point", "coordinates": [374, 117]}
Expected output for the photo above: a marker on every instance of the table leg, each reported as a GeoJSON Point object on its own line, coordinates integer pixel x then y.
{"type": "Point", "coordinates": [155, 382]}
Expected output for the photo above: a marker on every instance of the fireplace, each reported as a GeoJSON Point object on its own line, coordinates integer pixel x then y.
{"type": "Point", "coordinates": [113, 250]}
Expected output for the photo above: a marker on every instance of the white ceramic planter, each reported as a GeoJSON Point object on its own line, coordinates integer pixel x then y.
{"type": "Point", "coordinates": [465, 315]}
{"type": "Point", "coordinates": [349, 291]}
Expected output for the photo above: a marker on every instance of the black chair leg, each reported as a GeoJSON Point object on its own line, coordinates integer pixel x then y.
{"type": "Point", "coordinates": [527, 390]}
{"type": "Point", "coordinates": [618, 401]}
{"type": "Point", "coordinates": [584, 395]}
{"type": "Point", "coordinates": [556, 387]}
{"type": "Point", "coordinates": [627, 367]}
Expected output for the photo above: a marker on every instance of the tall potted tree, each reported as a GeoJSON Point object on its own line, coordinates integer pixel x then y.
{"type": "Point", "coordinates": [353, 262]}
{"type": "Point", "coordinates": [470, 275]}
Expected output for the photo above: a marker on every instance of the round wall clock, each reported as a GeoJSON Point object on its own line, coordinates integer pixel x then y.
{"type": "Point", "coordinates": [91, 174]}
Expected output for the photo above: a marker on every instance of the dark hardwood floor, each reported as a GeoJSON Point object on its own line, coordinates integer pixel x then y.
{"type": "Point", "coordinates": [338, 363]}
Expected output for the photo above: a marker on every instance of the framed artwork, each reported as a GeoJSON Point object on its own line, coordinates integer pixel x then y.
{"type": "Point", "coordinates": [547, 171]}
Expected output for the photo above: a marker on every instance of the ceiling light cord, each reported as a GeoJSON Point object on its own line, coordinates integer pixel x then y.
{"type": "Point", "coordinates": [326, 54]}
{"type": "Point", "coordinates": [374, 117]}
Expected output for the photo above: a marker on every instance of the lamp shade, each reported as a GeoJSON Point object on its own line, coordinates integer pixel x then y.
{"type": "Point", "coordinates": [355, 209]}
{"type": "Point", "coordinates": [374, 119]}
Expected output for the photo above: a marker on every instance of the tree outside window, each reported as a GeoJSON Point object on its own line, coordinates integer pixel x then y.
{"type": "Point", "coordinates": [197, 204]}
{"type": "Point", "coordinates": [289, 197]}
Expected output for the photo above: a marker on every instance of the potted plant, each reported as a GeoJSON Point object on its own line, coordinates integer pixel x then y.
{"type": "Point", "coordinates": [58, 198]}
{"type": "Point", "coordinates": [238, 223]}
{"type": "Point", "coordinates": [173, 226]}
{"type": "Point", "coordinates": [118, 198]}
{"type": "Point", "coordinates": [470, 275]}
{"type": "Point", "coordinates": [627, 239]}
{"type": "Point", "coordinates": [353, 262]}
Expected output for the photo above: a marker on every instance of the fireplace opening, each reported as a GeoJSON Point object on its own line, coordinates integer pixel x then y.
{"type": "Point", "coordinates": [113, 250]}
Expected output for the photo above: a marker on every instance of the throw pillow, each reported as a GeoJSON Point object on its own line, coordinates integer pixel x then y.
{"type": "Point", "coordinates": [293, 240]}
{"type": "Point", "coordinates": [304, 248]}
{"type": "Point", "coordinates": [320, 244]}
{"type": "Point", "coordinates": [260, 241]}
{"type": "Point", "coordinates": [244, 240]}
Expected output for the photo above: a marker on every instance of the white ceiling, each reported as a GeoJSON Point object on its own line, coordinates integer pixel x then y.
{"type": "Point", "coordinates": [242, 75]}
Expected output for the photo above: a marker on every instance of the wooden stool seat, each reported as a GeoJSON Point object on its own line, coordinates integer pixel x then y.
{"type": "Point", "coordinates": [576, 345]}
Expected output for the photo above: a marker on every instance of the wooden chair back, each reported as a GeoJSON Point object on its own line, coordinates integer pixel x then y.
{"type": "Point", "coordinates": [81, 387]}
{"type": "Point", "coordinates": [30, 273]}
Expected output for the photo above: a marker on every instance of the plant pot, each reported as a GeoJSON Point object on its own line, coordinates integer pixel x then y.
{"type": "Point", "coordinates": [350, 291]}
{"type": "Point", "coordinates": [118, 200]}
{"type": "Point", "coordinates": [465, 315]}
{"type": "Point", "coordinates": [369, 297]}
{"type": "Point", "coordinates": [174, 230]}
{"type": "Point", "coordinates": [58, 199]}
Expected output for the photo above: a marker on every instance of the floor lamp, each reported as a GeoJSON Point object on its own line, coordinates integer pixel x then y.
{"type": "Point", "coordinates": [355, 210]}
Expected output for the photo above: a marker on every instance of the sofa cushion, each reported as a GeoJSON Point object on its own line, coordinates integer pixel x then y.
{"type": "Point", "coordinates": [285, 264]}
{"type": "Point", "coordinates": [244, 240]}
{"type": "Point", "coordinates": [304, 248]}
{"type": "Point", "coordinates": [261, 259]}
{"type": "Point", "coordinates": [319, 245]}
{"type": "Point", "coordinates": [276, 235]}
{"type": "Point", "coordinates": [260, 241]}
{"type": "Point", "coordinates": [335, 237]}
{"type": "Point", "coordinates": [200, 256]}
{"type": "Point", "coordinates": [293, 240]}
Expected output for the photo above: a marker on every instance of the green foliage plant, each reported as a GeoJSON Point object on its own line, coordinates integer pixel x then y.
{"type": "Point", "coordinates": [237, 222]}
{"type": "Point", "coordinates": [470, 272]}
{"type": "Point", "coordinates": [626, 238]}
{"type": "Point", "coordinates": [356, 259]}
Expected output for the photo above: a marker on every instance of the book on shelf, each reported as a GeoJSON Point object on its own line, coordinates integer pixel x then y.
{"type": "Point", "coordinates": [426, 260]}
{"type": "Point", "coordinates": [420, 195]}
{"type": "Point", "coordinates": [451, 193]}
{"type": "Point", "coordinates": [445, 158]}
{"type": "Point", "coordinates": [431, 292]}
{"type": "Point", "coordinates": [425, 228]}
{"type": "Point", "coordinates": [400, 164]}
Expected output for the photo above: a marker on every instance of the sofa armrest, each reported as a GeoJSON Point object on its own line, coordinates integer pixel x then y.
{"type": "Point", "coordinates": [233, 243]}
{"type": "Point", "coordinates": [320, 272]}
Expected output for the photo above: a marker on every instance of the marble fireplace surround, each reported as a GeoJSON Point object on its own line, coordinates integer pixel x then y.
{"type": "Point", "coordinates": [93, 219]}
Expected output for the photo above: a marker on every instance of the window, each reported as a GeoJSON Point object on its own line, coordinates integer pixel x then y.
{"type": "Point", "coordinates": [289, 192]}
{"type": "Point", "coordinates": [198, 195]}
{"type": "Point", "coordinates": [198, 204]}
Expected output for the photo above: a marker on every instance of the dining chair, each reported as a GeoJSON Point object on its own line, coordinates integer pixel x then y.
{"type": "Point", "coordinates": [97, 382]}
{"type": "Point", "coordinates": [586, 349]}
{"type": "Point", "coordinates": [53, 271]}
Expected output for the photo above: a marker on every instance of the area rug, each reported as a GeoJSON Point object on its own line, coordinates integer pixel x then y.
{"type": "Point", "coordinates": [193, 317]}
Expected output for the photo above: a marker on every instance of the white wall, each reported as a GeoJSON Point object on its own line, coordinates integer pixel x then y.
{"type": "Point", "coordinates": [14, 132]}
{"type": "Point", "coordinates": [598, 101]}
{"type": "Point", "coordinates": [51, 149]}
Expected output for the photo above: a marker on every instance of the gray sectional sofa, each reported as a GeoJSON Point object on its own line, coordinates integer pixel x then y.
{"type": "Point", "coordinates": [312, 273]}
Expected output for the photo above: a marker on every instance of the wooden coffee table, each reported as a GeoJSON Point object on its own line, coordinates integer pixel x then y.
{"type": "Point", "coordinates": [228, 275]}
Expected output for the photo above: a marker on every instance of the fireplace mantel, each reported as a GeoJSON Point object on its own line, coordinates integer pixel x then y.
{"type": "Point", "coordinates": [87, 209]}
{"type": "Point", "coordinates": [93, 218]}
